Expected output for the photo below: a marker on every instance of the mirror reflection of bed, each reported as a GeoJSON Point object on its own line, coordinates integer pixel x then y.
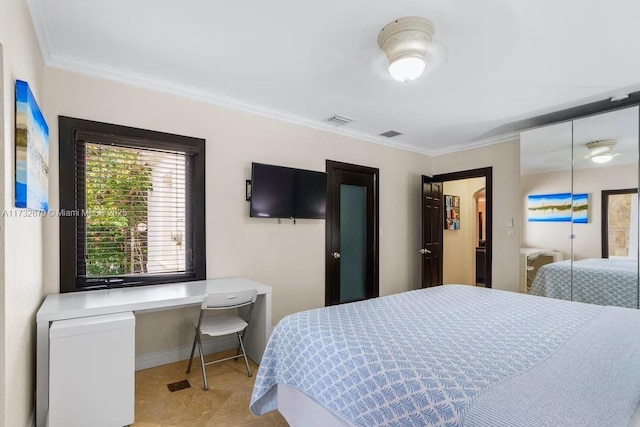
{"type": "Point", "coordinates": [603, 281]}
{"type": "Point", "coordinates": [598, 260]}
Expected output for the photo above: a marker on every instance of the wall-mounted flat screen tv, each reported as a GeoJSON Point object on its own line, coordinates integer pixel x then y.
{"type": "Point", "coordinates": [282, 192]}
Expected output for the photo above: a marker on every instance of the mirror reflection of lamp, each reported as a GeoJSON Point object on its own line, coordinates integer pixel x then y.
{"type": "Point", "coordinates": [601, 151]}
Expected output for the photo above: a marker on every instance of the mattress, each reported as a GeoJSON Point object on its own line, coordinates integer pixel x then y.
{"type": "Point", "coordinates": [602, 281]}
{"type": "Point", "coordinates": [458, 355]}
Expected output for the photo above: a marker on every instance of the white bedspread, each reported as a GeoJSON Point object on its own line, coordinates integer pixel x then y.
{"type": "Point", "coordinates": [458, 355]}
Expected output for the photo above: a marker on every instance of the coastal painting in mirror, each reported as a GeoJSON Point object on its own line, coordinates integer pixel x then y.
{"type": "Point", "coordinates": [559, 207]}
{"type": "Point", "coordinates": [32, 152]}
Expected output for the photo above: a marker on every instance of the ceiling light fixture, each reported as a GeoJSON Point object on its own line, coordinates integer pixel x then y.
{"type": "Point", "coordinates": [405, 41]}
{"type": "Point", "coordinates": [601, 151]}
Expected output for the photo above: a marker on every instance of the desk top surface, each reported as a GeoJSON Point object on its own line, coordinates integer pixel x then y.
{"type": "Point", "coordinates": [535, 251]}
{"type": "Point", "coordinates": [107, 301]}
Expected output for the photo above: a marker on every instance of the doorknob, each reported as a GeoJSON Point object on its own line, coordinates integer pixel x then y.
{"type": "Point", "coordinates": [425, 251]}
{"type": "Point", "coordinates": [336, 255]}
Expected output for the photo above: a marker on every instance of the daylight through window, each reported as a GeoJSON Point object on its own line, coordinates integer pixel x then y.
{"type": "Point", "coordinates": [135, 211]}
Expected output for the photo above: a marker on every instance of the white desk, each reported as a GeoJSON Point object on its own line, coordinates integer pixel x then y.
{"type": "Point", "coordinates": [156, 297]}
{"type": "Point", "coordinates": [525, 253]}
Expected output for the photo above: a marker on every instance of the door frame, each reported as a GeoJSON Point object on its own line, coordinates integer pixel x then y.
{"type": "Point", "coordinates": [332, 165]}
{"type": "Point", "coordinates": [487, 174]}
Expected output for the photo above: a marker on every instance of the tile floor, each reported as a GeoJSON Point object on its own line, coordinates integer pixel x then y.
{"type": "Point", "coordinates": [225, 404]}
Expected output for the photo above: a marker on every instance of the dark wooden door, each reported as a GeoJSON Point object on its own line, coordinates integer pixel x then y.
{"type": "Point", "coordinates": [432, 226]}
{"type": "Point", "coordinates": [351, 233]}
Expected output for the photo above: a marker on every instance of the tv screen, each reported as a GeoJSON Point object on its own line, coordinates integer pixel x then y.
{"type": "Point", "coordinates": [281, 192]}
{"type": "Point", "coordinates": [310, 194]}
{"type": "Point", "coordinates": [271, 191]}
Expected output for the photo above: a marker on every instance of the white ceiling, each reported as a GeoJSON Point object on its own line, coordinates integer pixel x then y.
{"type": "Point", "coordinates": [493, 62]}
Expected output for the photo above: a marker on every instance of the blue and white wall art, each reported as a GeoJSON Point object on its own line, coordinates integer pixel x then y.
{"type": "Point", "coordinates": [32, 152]}
{"type": "Point", "coordinates": [560, 207]}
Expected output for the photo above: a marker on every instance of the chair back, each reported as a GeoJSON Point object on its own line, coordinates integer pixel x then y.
{"type": "Point", "coordinates": [227, 300]}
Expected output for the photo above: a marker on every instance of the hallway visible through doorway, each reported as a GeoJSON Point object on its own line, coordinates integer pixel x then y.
{"type": "Point", "coordinates": [464, 239]}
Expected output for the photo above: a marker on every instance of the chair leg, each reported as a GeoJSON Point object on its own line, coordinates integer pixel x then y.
{"type": "Point", "coordinates": [193, 349]}
{"type": "Point", "coordinates": [244, 353]}
{"type": "Point", "coordinates": [238, 350]}
{"type": "Point", "coordinates": [204, 372]}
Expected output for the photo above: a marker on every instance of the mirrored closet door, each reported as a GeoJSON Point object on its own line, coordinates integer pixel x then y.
{"type": "Point", "coordinates": [546, 187]}
{"type": "Point", "coordinates": [580, 224]}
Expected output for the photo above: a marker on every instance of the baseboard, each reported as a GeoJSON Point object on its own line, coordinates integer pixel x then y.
{"type": "Point", "coordinates": [150, 360]}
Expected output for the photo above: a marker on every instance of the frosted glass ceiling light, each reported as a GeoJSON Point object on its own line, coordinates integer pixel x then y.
{"type": "Point", "coordinates": [601, 151]}
{"type": "Point", "coordinates": [406, 69]}
{"type": "Point", "coordinates": [405, 41]}
{"type": "Point", "coordinates": [602, 158]}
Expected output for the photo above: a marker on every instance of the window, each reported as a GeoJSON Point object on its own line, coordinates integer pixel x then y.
{"type": "Point", "coordinates": [620, 223]}
{"type": "Point", "coordinates": [131, 206]}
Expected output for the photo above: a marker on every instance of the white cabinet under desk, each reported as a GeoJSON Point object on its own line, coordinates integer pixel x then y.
{"type": "Point", "coordinates": [92, 375]}
{"type": "Point", "coordinates": [138, 299]}
{"type": "Point", "coordinates": [544, 256]}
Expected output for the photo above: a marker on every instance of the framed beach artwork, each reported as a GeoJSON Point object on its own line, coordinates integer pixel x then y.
{"type": "Point", "coordinates": [559, 207]}
{"type": "Point", "coordinates": [32, 152]}
{"type": "Point", "coordinates": [581, 208]}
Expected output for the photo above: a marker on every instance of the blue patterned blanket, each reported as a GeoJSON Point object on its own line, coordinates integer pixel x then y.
{"type": "Point", "coordinates": [417, 358]}
{"type": "Point", "coordinates": [602, 281]}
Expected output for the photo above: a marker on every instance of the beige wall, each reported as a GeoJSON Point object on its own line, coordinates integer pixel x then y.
{"type": "Point", "coordinates": [504, 158]}
{"type": "Point", "coordinates": [555, 235]}
{"type": "Point", "coordinates": [288, 257]}
{"type": "Point", "coordinates": [459, 246]}
{"type": "Point", "coordinates": [21, 263]}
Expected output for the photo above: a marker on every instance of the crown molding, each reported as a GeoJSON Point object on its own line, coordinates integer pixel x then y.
{"type": "Point", "coordinates": [479, 143]}
{"type": "Point", "coordinates": [41, 27]}
{"type": "Point", "coordinates": [145, 81]}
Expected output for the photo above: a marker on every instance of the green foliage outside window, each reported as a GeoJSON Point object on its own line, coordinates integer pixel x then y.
{"type": "Point", "coordinates": [118, 183]}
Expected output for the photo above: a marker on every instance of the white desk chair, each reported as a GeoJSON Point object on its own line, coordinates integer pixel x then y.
{"type": "Point", "coordinates": [530, 269]}
{"type": "Point", "coordinates": [225, 324]}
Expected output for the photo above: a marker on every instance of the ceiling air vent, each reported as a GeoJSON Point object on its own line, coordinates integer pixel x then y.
{"type": "Point", "coordinates": [338, 120]}
{"type": "Point", "coordinates": [391, 133]}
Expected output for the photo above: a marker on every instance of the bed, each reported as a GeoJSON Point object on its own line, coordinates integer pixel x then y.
{"type": "Point", "coordinates": [603, 281]}
{"type": "Point", "coordinates": [450, 356]}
